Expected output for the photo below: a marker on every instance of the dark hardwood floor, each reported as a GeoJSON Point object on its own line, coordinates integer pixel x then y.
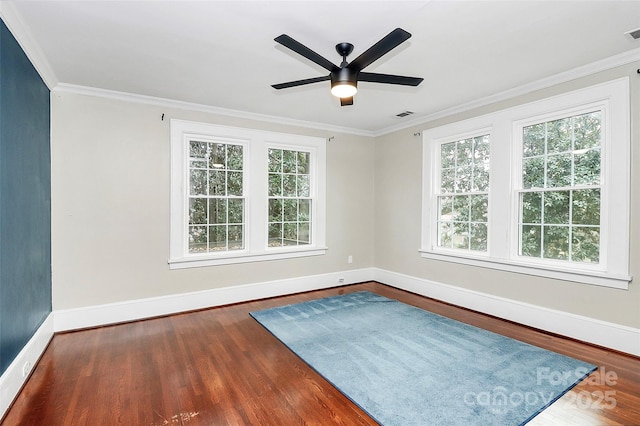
{"type": "Point", "coordinates": [220, 367]}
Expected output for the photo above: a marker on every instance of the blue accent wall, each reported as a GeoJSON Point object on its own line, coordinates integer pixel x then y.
{"type": "Point", "coordinates": [25, 199]}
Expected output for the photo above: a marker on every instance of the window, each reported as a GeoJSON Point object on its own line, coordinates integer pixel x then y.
{"type": "Point", "coordinates": [560, 201]}
{"type": "Point", "coordinates": [540, 189]}
{"type": "Point", "coordinates": [241, 195]}
{"type": "Point", "coordinates": [462, 198]}
{"type": "Point", "coordinates": [216, 196]}
{"type": "Point", "coordinates": [289, 198]}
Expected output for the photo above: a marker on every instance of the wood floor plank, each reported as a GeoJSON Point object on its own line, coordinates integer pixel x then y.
{"type": "Point", "coordinates": [220, 367]}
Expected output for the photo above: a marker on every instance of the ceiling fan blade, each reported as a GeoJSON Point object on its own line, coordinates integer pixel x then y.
{"type": "Point", "coordinates": [301, 82]}
{"type": "Point", "coordinates": [303, 50]}
{"type": "Point", "coordinates": [389, 79]}
{"type": "Point", "coordinates": [382, 47]}
{"type": "Point", "coordinates": [346, 101]}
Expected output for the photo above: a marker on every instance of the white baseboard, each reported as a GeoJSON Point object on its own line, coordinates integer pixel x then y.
{"type": "Point", "coordinates": [97, 315]}
{"type": "Point", "coordinates": [610, 335]}
{"type": "Point", "coordinates": [19, 370]}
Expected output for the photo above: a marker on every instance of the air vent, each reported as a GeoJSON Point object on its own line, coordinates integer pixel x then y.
{"type": "Point", "coordinates": [404, 114]}
{"type": "Point", "coordinates": [634, 34]}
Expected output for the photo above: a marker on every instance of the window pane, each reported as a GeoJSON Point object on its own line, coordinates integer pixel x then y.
{"type": "Point", "coordinates": [290, 234]}
{"type": "Point", "coordinates": [303, 186]}
{"type": "Point", "coordinates": [445, 234]}
{"type": "Point", "coordinates": [530, 241]}
{"type": "Point", "coordinates": [290, 210]}
{"type": "Point", "coordinates": [558, 170]}
{"type": "Point", "coordinates": [197, 149]}
{"type": "Point", "coordinates": [447, 180]}
{"type": "Point", "coordinates": [478, 240]}
{"type": "Point", "coordinates": [463, 179]}
{"type": "Point", "coordinates": [303, 233]}
{"type": "Point", "coordinates": [289, 185]}
{"type": "Point", "coordinates": [236, 241]}
{"type": "Point", "coordinates": [217, 237]}
{"type": "Point", "coordinates": [197, 239]}
{"type": "Point", "coordinates": [586, 130]}
{"type": "Point", "coordinates": [304, 210]}
{"type": "Point", "coordinates": [533, 140]}
{"type": "Point", "coordinates": [303, 162]}
{"type": "Point", "coordinates": [217, 155]}
{"type": "Point", "coordinates": [197, 211]}
{"type": "Point", "coordinates": [275, 234]}
{"type": "Point", "coordinates": [464, 150]}
{"type": "Point", "coordinates": [461, 235]}
{"type": "Point", "coordinates": [481, 149]}
{"type": "Point", "coordinates": [275, 160]}
{"type": "Point", "coordinates": [585, 245]}
{"type": "Point", "coordinates": [218, 211]}
{"type": "Point", "coordinates": [217, 183]}
{"type": "Point", "coordinates": [198, 182]}
{"type": "Point", "coordinates": [556, 207]}
{"type": "Point", "coordinates": [587, 167]}
{"type": "Point", "coordinates": [289, 161]}
{"type": "Point", "coordinates": [480, 178]}
{"type": "Point", "coordinates": [236, 210]}
{"type": "Point", "coordinates": [234, 157]}
{"type": "Point", "coordinates": [445, 207]}
{"type": "Point", "coordinates": [559, 134]}
{"type": "Point", "coordinates": [275, 184]}
{"type": "Point", "coordinates": [531, 207]}
{"type": "Point", "coordinates": [556, 242]}
{"type": "Point", "coordinates": [461, 208]}
{"type": "Point", "coordinates": [448, 155]}
{"type": "Point", "coordinates": [533, 173]}
{"type": "Point", "coordinates": [586, 207]}
{"type": "Point", "coordinates": [479, 205]}
{"type": "Point", "coordinates": [234, 183]}
{"type": "Point", "coordinates": [275, 210]}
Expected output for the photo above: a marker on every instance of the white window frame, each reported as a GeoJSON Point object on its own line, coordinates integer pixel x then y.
{"type": "Point", "coordinates": [612, 98]}
{"type": "Point", "coordinates": [255, 180]}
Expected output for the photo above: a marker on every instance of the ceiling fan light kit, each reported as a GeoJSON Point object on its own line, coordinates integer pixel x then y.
{"type": "Point", "coordinates": [344, 78]}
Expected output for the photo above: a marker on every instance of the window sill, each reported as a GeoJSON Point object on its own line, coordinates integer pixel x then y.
{"type": "Point", "coordinates": [581, 276]}
{"type": "Point", "coordinates": [197, 261]}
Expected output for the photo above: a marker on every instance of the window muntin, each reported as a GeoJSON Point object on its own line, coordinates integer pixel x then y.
{"type": "Point", "coordinates": [463, 197]}
{"type": "Point", "coordinates": [290, 198]}
{"type": "Point", "coordinates": [216, 196]}
{"type": "Point", "coordinates": [560, 199]}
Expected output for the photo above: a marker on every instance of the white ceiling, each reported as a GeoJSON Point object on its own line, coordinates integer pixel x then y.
{"type": "Point", "coordinates": [222, 53]}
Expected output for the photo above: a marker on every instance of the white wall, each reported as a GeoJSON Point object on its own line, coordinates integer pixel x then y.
{"type": "Point", "coordinates": [397, 223]}
{"type": "Point", "coordinates": [110, 205]}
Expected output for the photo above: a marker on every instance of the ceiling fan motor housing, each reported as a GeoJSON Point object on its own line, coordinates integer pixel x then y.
{"type": "Point", "coordinates": [344, 76]}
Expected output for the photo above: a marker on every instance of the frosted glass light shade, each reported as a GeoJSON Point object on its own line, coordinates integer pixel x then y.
{"type": "Point", "coordinates": [344, 90]}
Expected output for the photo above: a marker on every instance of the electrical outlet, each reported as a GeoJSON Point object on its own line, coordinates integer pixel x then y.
{"type": "Point", "coordinates": [350, 259]}
{"type": "Point", "coordinates": [26, 368]}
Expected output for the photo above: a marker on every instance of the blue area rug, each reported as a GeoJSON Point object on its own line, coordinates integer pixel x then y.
{"type": "Point", "coordinates": [406, 366]}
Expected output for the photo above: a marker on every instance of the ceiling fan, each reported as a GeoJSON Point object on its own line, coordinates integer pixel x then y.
{"type": "Point", "coordinates": [344, 78]}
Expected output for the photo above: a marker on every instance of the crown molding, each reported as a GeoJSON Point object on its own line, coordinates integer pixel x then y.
{"type": "Point", "coordinates": [13, 20]}
{"type": "Point", "coordinates": [563, 77]}
{"type": "Point", "coordinates": [170, 103]}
